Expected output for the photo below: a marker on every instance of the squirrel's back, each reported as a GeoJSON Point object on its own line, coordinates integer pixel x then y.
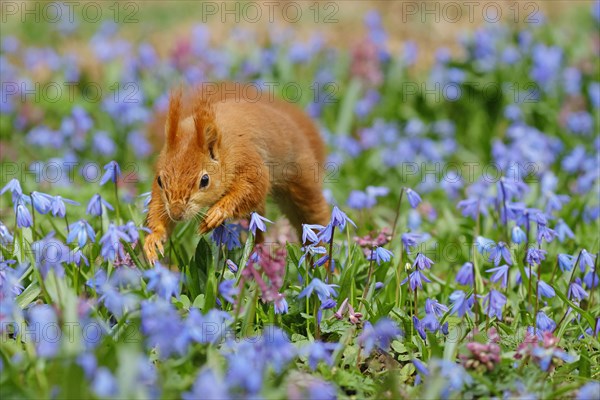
{"type": "Point", "coordinates": [248, 100]}
{"type": "Point", "coordinates": [280, 132]}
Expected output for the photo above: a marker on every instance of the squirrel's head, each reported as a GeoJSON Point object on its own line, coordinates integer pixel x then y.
{"type": "Point", "coordinates": [189, 167]}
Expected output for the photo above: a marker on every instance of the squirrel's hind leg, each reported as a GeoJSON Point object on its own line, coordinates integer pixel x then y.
{"type": "Point", "coordinates": [302, 202]}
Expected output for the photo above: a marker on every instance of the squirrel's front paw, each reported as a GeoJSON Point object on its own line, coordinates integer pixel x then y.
{"type": "Point", "coordinates": [214, 218]}
{"type": "Point", "coordinates": [151, 243]}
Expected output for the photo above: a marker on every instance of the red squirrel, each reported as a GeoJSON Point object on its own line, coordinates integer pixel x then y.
{"type": "Point", "coordinates": [223, 155]}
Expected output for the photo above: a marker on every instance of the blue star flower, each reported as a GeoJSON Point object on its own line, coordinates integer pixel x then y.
{"type": "Point", "coordinates": [415, 279]}
{"type": "Point", "coordinates": [461, 304]}
{"type": "Point", "coordinates": [471, 207]}
{"type": "Point", "coordinates": [131, 230]}
{"type": "Point", "coordinates": [586, 260]}
{"type": "Point", "coordinates": [563, 231]}
{"type": "Point", "coordinates": [228, 235]}
{"type": "Point", "coordinates": [23, 216]}
{"type": "Point", "coordinates": [42, 202]}
{"type": "Point", "coordinates": [113, 172]}
{"type": "Point", "coordinates": [591, 279]}
{"type": "Point", "coordinates": [518, 236]}
{"type": "Point", "coordinates": [544, 323]}
{"type": "Point", "coordinates": [94, 207]}
{"type": "Point", "coordinates": [162, 281]}
{"type": "Point", "coordinates": [50, 254]}
{"type": "Point", "coordinates": [227, 289]}
{"type": "Point", "coordinates": [58, 207]}
{"type": "Point", "coordinates": [413, 198]}
{"type": "Point", "coordinates": [484, 245]}
{"type": "Point", "coordinates": [433, 307]}
{"type": "Point", "coordinates": [14, 187]}
{"type": "Point", "coordinates": [565, 262]}
{"type": "Point", "coordinates": [308, 233]}
{"type": "Point", "coordinates": [208, 385]}
{"type": "Point", "coordinates": [311, 250]}
{"type": "Point", "coordinates": [379, 335]}
{"type": "Point", "coordinates": [500, 272]}
{"type": "Point", "coordinates": [493, 303]}
{"type": "Point", "coordinates": [339, 218]}
{"type": "Point", "coordinates": [81, 231]}
{"type": "Point", "coordinates": [162, 327]}
{"type": "Point", "coordinates": [258, 222]}
{"type": "Point", "coordinates": [280, 304]}
{"type": "Point", "coordinates": [44, 315]}
{"type": "Point", "coordinates": [419, 327]}
{"type": "Point", "coordinates": [545, 290]}
{"type": "Point", "coordinates": [111, 242]}
{"type": "Point", "coordinates": [535, 256]}
{"type": "Point", "coordinates": [422, 262]}
{"type": "Point", "coordinates": [420, 367]}
{"type": "Point", "coordinates": [498, 252]}
{"type": "Point", "coordinates": [465, 274]}
{"type": "Point", "coordinates": [576, 291]}
{"type": "Point", "coordinates": [319, 351]}
{"type": "Point", "coordinates": [323, 290]}
{"type": "Point", "coordinates": [591, 389]}
{"type": "Point", "coordinates": [382, 255]}
{"type": "Point", "coordinates": [545, 233]}
{"type": "Point", "coordinates": [5, 236]}
{"type": "Point", "coordinates": [410, 240]}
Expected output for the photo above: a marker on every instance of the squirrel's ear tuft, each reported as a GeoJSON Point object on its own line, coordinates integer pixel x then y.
{"type": "Point", "coordinates": [173, 118]}
{"type": "Point", "coordinates": [206, 128]}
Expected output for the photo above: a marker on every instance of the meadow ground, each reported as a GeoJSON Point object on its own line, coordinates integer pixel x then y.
{"type": "Point", "coordinates": [463, 177]}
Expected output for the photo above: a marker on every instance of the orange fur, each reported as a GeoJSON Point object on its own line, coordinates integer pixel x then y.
{"type": "Point", "coordinates": [247, 150]}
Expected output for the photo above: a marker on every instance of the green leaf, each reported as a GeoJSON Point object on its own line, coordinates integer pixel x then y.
{"type": "Point", "coordinates": [28, 295]}
{"type": "Point", "coordinates": [133, 255]}
{"type": "Point", "coordinates": [585, 366]}
{"type": "Point", "coordinates": [245, 256]}
{"type": "Point", "coordinates": [346, 113]}
{"type": "Point", "coordinates": [583, 313]}
{"type": "Point", "coordinates": [451, 346]}
{"type": "Point", "coordinates": [211, 293]}
{"type": "Point", "coordinates": [184, 301]}
{"type": "Point", "coordinates": [199, 302]}
{"type": "Point", "coordinates": [435, 348]}
{"type": "Point", "coordinates": [197, 270]}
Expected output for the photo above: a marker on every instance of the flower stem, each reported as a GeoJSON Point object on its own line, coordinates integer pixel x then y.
{"type": "Point", "coordinates": [317, 330]}
{"type": "Point", "coordinates": [568, 285]}
{"type": "Point", "coordinates": [33, 235]}
{"type": "Point", "coordinates": [476, 275]}
{"type": "Point", "coordinates": [537, 299]}
{"type": "Point", "coordinates": [504, 218]}
{"type": "Point", "coordinates": [67, 224]}
{"type": "Point", "coordinates": [367, 284]}
{"type": "Point", "coordinates": [475, 294]}
{"type": "Point", "coordinates": [397, 214]}
{"type": "Point", "coordinates": [358, 357]}
{"type": "Point", "coordinates": [489, 308]}
{"type": "Point", "coordinates": [330, 260]}
{"type": "Point", "coordinates": [415, 302]}
{"type": "Point", "coordinates": [117, 208]}
{"type": "Point", "coordinates": [306, 280]}
{"type": "Point", "coordinates": [398, 273]}
{"type": "Point", "coordinates": [594, 273]}
{"type": "Point", "coordinates": [554, 270]}
{"type": "Point", "coordinates": [217, 261]}
{"type": "Point", "coordinates": [530, 277]}
{"type": "Point", "coordinates": [238, 306]}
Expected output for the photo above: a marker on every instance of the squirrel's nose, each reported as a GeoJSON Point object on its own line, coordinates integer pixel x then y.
{"type": "Point", "coordinates": [177, 211]}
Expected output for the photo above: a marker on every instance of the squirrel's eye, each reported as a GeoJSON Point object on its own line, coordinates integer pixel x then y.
{"type": "Point", "coordinates": [159, 181]}
{"type": "Point", "coordinates": [204, 181]}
